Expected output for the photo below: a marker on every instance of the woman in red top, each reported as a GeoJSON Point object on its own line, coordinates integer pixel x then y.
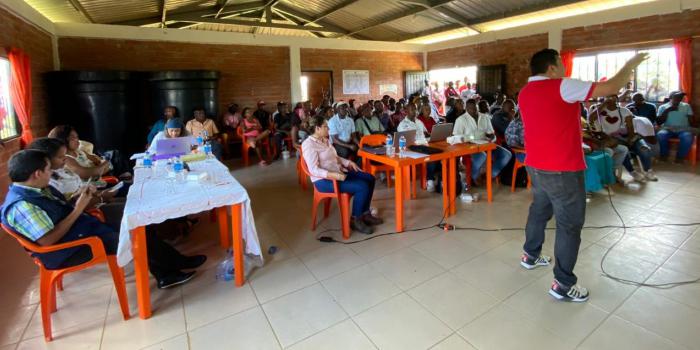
{"type": "Point", "coordinates": [425, 117]}
{"type": "Point", "coordinates": [253, 133]}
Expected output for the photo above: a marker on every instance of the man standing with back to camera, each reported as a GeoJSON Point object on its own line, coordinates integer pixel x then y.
{"type": "Point", "coordinates": [550, 109]}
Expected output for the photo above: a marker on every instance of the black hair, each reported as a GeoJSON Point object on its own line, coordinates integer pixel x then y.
{"type": "Point", "coordinates": [176, 114]}
{"type": "Point", "coordinates": [470, 101]}
{"type": "Point", "coordinates": [61, 132]}
{"type": "Point", "coordinates": [541, 60]}
{"type": "Point", "coordinates": [48, 145]}
{"type": "Point", "coordinates": [199, 108]}
{"type": "Point", "coordinates": [24, 163]}
{"type": "Point", "coordinates": [233, 108]}
{"type": "Point", "coordinates": [314, 122]}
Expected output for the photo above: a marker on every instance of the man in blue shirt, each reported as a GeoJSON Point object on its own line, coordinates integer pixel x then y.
{"type": "Point", "coordinates": [675, 119]}
{"type": "Point", "coordinates": [341, 129]}
{"type": "Point", "coordinates": [44, 217]}
{"type": "Point", "coordinates": [641, 108]}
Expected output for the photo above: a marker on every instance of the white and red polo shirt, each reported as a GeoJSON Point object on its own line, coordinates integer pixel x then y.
{"type": "Point", "coordinates": [552, 121]}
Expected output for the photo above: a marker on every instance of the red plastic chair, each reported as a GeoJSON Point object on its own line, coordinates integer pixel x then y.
{"type": "Point", "coordinates": [50, 280]}
{"type": "Point", "coordinates": [693, 154]}
{"type": "Point", "coordinates": [343, 202]}
{"type": "Point", "coordinates": [367, 165]}
{"type": "Point", "coordinates": [245, 147]}
{"type": "Point", "coordinates": [517, 166]}
{"type": "Point", "coordinates": [301, 177]}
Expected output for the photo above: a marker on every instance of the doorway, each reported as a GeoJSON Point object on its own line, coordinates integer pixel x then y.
{"type": "Point", "coordinates": [315, 85]}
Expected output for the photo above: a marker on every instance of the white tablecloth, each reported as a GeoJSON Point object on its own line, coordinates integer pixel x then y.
{"type": "Point", "coordinates": [154, 198]}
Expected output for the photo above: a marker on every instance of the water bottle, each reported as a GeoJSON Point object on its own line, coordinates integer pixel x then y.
{"type": "Point", "coordinates": [224, 272]}
{"type": "Point", "coordinates": [147, 161]}
{"type": "Point", "coordinates": [402, 146]}
{"type": "Point", "coordinates": [389, 145]}
{"type": "Point", "coordinates": [200, 141]}
{"type": "Point", "coordinates": [179, 169]}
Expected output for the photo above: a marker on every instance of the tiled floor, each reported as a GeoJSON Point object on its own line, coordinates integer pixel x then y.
{"type": "Point", "coordinates": [416, 290]}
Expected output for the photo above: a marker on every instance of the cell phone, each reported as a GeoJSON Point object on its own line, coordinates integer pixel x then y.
{"type": "Point", "coordinates": [116, 187]}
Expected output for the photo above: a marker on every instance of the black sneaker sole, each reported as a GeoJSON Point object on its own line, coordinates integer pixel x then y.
{"type": "Point", "coordinates": [565, 298]}
{"type": "Point", "coordinates": [175, 284]}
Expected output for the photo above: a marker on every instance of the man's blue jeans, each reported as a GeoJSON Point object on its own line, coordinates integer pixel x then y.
{"type": "Point", "coordinates": [499, 158]}
{"type": "Point", "coordinates": [686, 141]}
{"type": "Point", "coordinates": [563, 195]}
{"type": "Point", "coordinates": [357, 183]}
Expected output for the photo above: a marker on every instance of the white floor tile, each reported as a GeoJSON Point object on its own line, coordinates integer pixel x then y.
{"type": "Point", "coordinates": [401, 323]}
{"type": "Point", "coordinates": [280, 278]}
{"type": "Point", "coordinates": [14, 322]}
{"type": "Point", "coordinates": [446, 250]}
{"type": "Point", "coordinates": [178, 343]}
{"type": "Point", "coordinates": [218, 300]}
{"type": "Point", "coordinates": [303, 313]}
{"type": "Point", "coordinates": [503, 328]}
{"type": "Point", "coordinates": [344, 335]}
{"type": "Point", "coordinates": [616, 333]}
{"type": "Point", "coordinates": [452, 300]}
{"type": "Point", "coordinates": [80, 337]}
{"type": "Point", "coordinates": [407, 268]}
{"type": "Point", "coordinates": [361, 288]}
{"type": "Point", "coordinates": [246, 330]}
{"type": "Point", "coordinates": [495, 277]}
{"type": "Point", "coordinates": [454, 342]}
{"type": "Point", "coordinates": [329, 261]}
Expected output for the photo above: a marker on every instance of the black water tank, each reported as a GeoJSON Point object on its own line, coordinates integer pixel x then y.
{"type": "Point", "coordinates": [102, 105]}
{"type": "Point", "coordinates": [185, 90]}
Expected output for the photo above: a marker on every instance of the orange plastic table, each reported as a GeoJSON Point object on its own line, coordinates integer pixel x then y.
{"type": "Point", "coordinates": [138, 238]}
{"type": "Point", "coordinates": [449, 173]}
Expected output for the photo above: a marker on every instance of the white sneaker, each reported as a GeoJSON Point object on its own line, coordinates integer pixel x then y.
{"type": "Point", "coordinates": [382, 177]}
{"type": "Point", "coordinates": [651, 176]}
{"type": "Point", "coordinates": [639, 177]}
{"type": "Point", "coordinates": [430, 186]}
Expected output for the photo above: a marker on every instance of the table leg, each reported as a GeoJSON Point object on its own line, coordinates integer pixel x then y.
{"type": "Point", "coordinates": [399, 190]}
{"type": "Point", "coordinates": [140, 252]}
{"type": "Point", "coordinates": [223, 228]}
{"type": "Point", "coordinates": [488, 176]}
{"type": "Point", "coordinates": [407, 183]}
{"type": "Point", "coordinates": [452, 185]}
{"type": "Point", "coordinates": [237, 231]}
{"type": "Point", "coordinates": [445, 191]}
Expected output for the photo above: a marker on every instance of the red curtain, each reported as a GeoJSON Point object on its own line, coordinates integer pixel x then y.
{"type": "Point", "coordinates": [567, 58]}
{"type": "Point", "coordinates": [684, 61]}
{"type": "Point", "coordinates": [21, 91]}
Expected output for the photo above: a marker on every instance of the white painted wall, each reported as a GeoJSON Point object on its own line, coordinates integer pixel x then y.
{"type": "Point", "coordinates": [295, 72]}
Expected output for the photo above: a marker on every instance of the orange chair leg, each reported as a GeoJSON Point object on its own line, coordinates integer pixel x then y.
{"type": "Point", "coordinates": [119, 285]}
{"type": "Point", "coordinates": [59, 283]}
{"type": "Point", "coordinates": [512, 181]}
{"type": "Point", "coordinates": [244, 153]}
{"type": "Point", "coordinates": [45, 304]}
{"type": "Point", "coordinates": [388, 179]}
{"type": "Point", "coordinates": [424, 177]}
{"type": "Point", "coordinates": [414, 168]}
{"type": "Point", "coordinates": [344, 202]}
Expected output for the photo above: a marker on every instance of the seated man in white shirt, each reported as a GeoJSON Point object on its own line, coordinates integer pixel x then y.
{"type": "Point", "coordinates": [475, 126]}
{"type": "Point", "coordinates": [341, 129]}
{"type": "Point", "coordinates": [410, 122]}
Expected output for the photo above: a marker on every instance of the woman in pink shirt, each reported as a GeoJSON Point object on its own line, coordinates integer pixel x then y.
{"type": "Point", "coordinates": [325, 165]}
{"type": "Point", "coordinates": [253, 133]}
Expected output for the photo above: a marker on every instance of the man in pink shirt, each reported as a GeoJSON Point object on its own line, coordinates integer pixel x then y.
{"type": "Point", "coordinates": [550, 109]}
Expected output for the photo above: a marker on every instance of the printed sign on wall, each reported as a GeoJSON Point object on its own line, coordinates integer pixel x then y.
{"type": "Point", "coordinates": [356, 82]}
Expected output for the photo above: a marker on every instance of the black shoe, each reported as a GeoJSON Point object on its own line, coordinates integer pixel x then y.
{"type": "Point", "coordinates": [193, 262]}
{"type": "Point", "coordinates": [359, 226]}
{"type": "Point", "coordinates": [371, 220]}
{"type": "Point", "coordinates": [175, 279]}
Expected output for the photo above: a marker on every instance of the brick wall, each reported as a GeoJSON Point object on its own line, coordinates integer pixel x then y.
{"type": "Point", "coordinates": [248, 73]}
{"type": "Point", "coordinates": [514, 53]}
{"type": "Point", "coordinates": [384, 68]}
{"type": "Point", "coordinates": [641, 32]}
{"type": "Point", "coordinates": [15, 32]}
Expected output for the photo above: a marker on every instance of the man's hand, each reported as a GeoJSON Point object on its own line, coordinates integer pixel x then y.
{"type": "Point", "coordinates": [337, 176]}
{"type": "Point", "coordinates": [84, 198]}
{"type": "Point", "coordinates": [353, 167]}
{"type": "Point", "coordinates": [638, 59]}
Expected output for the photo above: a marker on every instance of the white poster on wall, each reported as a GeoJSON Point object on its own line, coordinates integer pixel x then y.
{"type": "Point", "coordinates": [355, 82]}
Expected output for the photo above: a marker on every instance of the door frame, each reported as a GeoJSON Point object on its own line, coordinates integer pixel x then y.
{"type": "Point", "coordinates": [322, 71]}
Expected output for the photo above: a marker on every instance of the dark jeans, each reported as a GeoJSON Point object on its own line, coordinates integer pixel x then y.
{"type": "Point", "coordinates": [163, 259]}
{"type": "Point", "coordinates": [563, 195]}
{"type": "Point", "coordinates": [684, 146]}
{"type": "Point", "coordinates": [359, 184]}
{"type": "Point", "coordinates": [278, 140]}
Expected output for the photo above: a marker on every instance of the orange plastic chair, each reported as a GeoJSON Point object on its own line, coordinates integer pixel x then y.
{"type": "Point", "coordinates": [301, 177]}
{"type": "Point", "coordinates": [693, 154]}
{"type": "Point", "coordinates": [517, 166]}
{"type": "Point", "coordinates": [50, 280]}
{"type": "Point", "coordinates": [110, 180]}
{"type": "Point", "coordinates": [245, 147]}
{"type": "Point", "coordinates": [367, 165]}
{"type": "Point", "coordinates": [343, 202]}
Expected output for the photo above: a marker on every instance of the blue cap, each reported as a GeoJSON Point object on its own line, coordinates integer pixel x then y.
{"type": "Point", "coordinates": [174, 123]}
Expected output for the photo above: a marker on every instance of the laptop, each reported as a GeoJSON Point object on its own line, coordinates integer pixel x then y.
{"type": "Point", "coordinates": [441, 132]}
{"type": "Point", "coordinates": [410, 136]}
{"type": "Point", "coordinates": [167, 148]}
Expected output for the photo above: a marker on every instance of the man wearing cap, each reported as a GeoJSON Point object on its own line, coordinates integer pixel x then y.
{"type": "Point", "coordinates": [341, 129]}
{"type": "Point", "coordinates": [262, 115]}
{"type": "Point", "coordinates": [675, 118]}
